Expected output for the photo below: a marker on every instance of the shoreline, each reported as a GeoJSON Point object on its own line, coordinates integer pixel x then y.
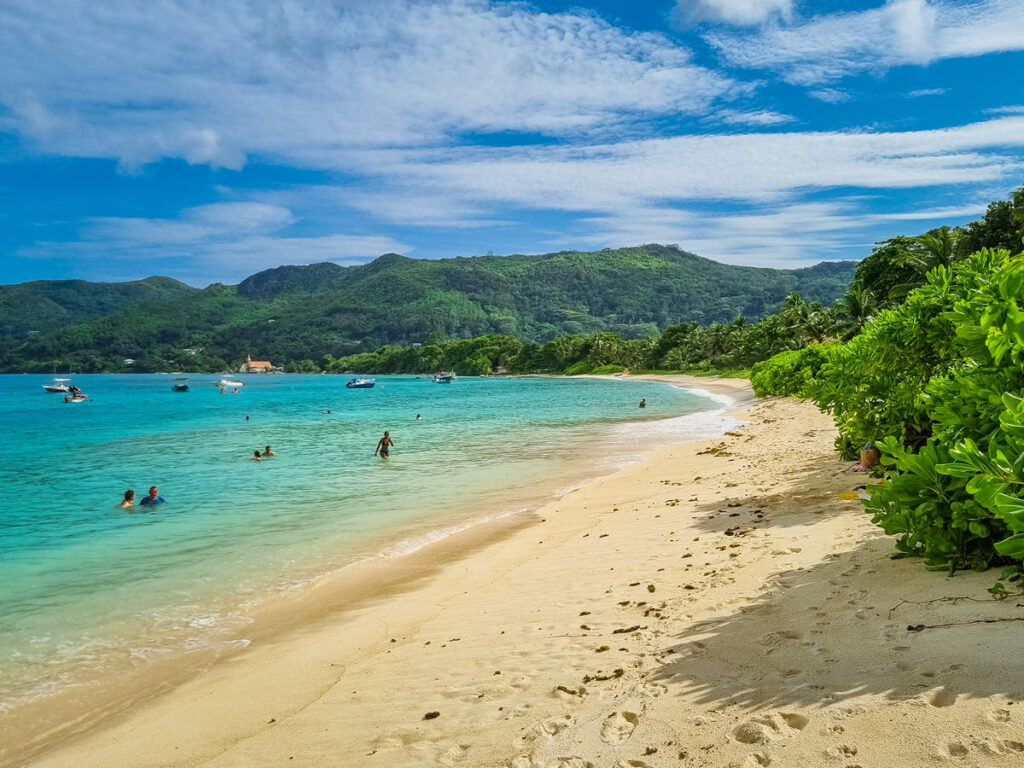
{"type": "Point", "coordinates": [716, 604]}
{"type": "Point", "coordinates": [332, 595]}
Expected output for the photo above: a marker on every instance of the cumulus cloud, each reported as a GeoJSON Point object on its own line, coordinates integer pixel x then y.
{"type": "Point", "coordinates": [739, 12]}
{"type": "Point", "coordinates": [828, 47]}
{"type": "Point", "coordinates": [312, 82]}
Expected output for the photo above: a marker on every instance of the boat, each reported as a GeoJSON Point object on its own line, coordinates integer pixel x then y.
{"type": "Point", "coordinates": [80, 397]}
{"type": "Point", "coordinates": [360, 383]}
{"type": "Point", "coordinates": [227, 384]}
{"type": "Point", "coordinates": [59, 386]}
{"type": "Point", "coordinates": [443, 377]}
{"type": "Point", "coordinates": [180, 384]}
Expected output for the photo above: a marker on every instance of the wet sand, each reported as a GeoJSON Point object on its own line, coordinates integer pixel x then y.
{"type": "Point", "coordinates": [714, 605]}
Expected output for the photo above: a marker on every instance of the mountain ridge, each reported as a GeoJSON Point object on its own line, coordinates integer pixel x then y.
{"type": "Point", "coordinates": [297, 312]}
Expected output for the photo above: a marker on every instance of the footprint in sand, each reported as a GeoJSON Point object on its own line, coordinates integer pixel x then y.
{"type": "Point", "coordinates": [942, 698]}
{"type": "Point", "coordinates": [956, 749]}
{"type": "Point", "coordinates": [999, 716]}
{"type": "Point", "coordinates": [1013, 746]}
{"type": "Point", "coordinates": [618, 727]}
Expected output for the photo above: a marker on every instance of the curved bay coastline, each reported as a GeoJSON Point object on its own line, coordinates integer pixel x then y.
{"type": "Point", "coordinates": [339, 596]}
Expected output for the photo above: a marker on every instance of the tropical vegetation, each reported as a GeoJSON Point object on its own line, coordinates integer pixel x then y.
{"type": "Point", "coordinates": [934, 380]}
{"type": "Point", "coordinates": [294, 314]}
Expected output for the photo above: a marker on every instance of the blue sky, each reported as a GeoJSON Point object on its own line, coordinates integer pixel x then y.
{"type": "Point", "coordinates": [208, 141]}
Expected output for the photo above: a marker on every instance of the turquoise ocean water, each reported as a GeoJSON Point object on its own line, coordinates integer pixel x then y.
{"type": "Point", "coordinates": [87, 588]}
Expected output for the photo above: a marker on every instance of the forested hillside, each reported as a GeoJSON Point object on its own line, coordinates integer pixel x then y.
{"type": "Point", "coordinates": [295, 313]}
{"type": "Point", "coordinates": [45, 304]}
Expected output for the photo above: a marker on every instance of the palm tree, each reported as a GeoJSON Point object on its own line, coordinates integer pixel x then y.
{"type": "Point", "coordinates": [859, 304]}
{"type": "Point", "coordinates": [939, 247]}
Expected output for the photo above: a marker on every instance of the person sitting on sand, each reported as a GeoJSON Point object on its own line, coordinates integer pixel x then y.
{"type": "Point", "coordinates": [129, 499]}
{"type": "Point", "coordinates": [268, 452]}
{"type": "Point", "coordinates": [384, 446]}
{"type": "Point", "coordinates": [256, 455]}
{"type": "Point", "coordinates": [153, 499]}
{"type": "Point", "coordinates": [643, 402]}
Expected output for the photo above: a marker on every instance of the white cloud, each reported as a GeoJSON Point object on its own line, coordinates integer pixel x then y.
{"type": "Point", "coordinates": [312, 82]}
{"type": "Point", "coordinates": [751, 166]}
{"type": "Point", "coordinates": [740, 12]}
{"type": "Point", "coordinates": [832, 46]}
{"type": "Point", "coordinates": [829, 95]}
{"type": "Point", "coordinates": [756, 117]}
{"type": "Point", "coordinates": [926, 92]}
{"type": "Point", "coordinates": [222, 242]}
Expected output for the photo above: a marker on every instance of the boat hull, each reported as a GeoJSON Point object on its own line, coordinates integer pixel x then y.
{"type": "Point", "coordinates": [360, 386]}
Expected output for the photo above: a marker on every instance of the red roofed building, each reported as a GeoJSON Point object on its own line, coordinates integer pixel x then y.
{"type": "Point", "coordinates": [256, 366]}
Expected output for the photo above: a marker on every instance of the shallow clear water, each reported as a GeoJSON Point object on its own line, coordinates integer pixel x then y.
{"type": "Point", "coordinates": [85, 584]}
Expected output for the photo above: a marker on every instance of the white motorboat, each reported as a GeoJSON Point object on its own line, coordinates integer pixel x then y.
{"type": "Point", "coordinates": [360, 383]}
{"type": "Point", "coordinates": [227, 384]}
{"type": "Point", "coordinates": [58, 386]}
{"type": "Point", "coordinates": [444, 378]}
{"type": "Point", "coordinates": [79, 397]}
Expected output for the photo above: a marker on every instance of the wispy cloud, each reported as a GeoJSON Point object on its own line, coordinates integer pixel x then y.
{"type": "Point", "coordinates": [828, 47]}
{"type": "Point", "coordinates": [926, 92]}
{"type": "Point", "coordinates": [219, 82]}
{"type": "Point", "coordinates": [829, 95]}
{"type": "Point", "coordinates": [755, 117]}
{"type": "Point", "coordinates": [222, 242]}
{"type": "Point", "coordinates": [739, 12]}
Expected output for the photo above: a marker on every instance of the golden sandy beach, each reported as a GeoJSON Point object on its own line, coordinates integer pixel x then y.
{"type": "Point", "coordinates": [715, 605]}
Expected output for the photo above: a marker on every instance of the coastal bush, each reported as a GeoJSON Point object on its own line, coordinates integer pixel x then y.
{"type": "Point", "coordinates": [604, 370]}
{"type": "Point", "coordinates": [958, 499]}
{"type": "Point", "coordinates": [787, 373]}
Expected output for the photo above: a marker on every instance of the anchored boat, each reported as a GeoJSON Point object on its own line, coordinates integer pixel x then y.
{"type": "Point", "coordinates": [444, 377]}
{"type": "Point", "coordinates": [180, 384]}
{"type": "Point", "coordinates": [360, 383]}
{"type": "Point", "coordinates": [58, 387]}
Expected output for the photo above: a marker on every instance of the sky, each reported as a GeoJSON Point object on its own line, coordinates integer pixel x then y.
{"type": "Point", "coordinates": [208, 140]}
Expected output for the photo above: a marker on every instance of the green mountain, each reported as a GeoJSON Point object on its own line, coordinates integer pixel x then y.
{"type": "Point", "coordinates": [45, 304]}
{"type": "Point", "coordinates": [293, 313]}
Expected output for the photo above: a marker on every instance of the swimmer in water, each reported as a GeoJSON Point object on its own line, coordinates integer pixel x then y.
{"type": "Point", "coordinates": [256, 455]}
{"type": "Point", "coordinates": [384, 446]}
{"type": "Point", "coordinates": [417, 417]}
{"type": "Point", "coordinates": [129, 499]}
{"type": "Point", "coordinates": [268, 452]}
{"type": "Point", "coordinates": [643, 402]}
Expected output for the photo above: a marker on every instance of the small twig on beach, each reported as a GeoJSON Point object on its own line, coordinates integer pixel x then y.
{"type": "Point", "coordinates": [951, 599]}
{"type": "Point", "coordinates": [923, 627]}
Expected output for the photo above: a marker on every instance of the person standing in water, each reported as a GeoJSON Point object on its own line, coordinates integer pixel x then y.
{"type": "Point", "coordinates": [154, 498]}
{"type": "Point", "coordinates": [643, 402]}
{"type": "Point", "coordinates": [129, 499]}
{"type": "Point", "coordinates": [268, 452]}
{"type": "Point", "coordinates": [384, 446]}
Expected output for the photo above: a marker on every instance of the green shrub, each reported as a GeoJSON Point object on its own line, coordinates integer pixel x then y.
{"type": "Point", "coordinates": [603, 370]}
{"type": "Point", "coordinates": [958, 500]}
{"type": "Point", "coordinates": [787, 373]}
{"type": "Point", "coordinates": [578, 368]}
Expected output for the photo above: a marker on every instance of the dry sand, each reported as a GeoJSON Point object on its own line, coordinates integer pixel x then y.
{"type": "Point", "coordinates": [716, 605]}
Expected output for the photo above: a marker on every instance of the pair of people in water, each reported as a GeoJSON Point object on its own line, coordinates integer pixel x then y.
{"type": "Point", "coordinates": [257, 456]}
{"type": "Point", "coordinates": [152, 500]}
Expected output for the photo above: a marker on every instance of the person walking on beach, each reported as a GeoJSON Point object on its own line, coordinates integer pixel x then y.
{"type": "Point", "coordinates": [154, 498]}
{"type": "Point", "coordinates": [384, 446]}
{"type": "Point", "coordinates": [129, 499]}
